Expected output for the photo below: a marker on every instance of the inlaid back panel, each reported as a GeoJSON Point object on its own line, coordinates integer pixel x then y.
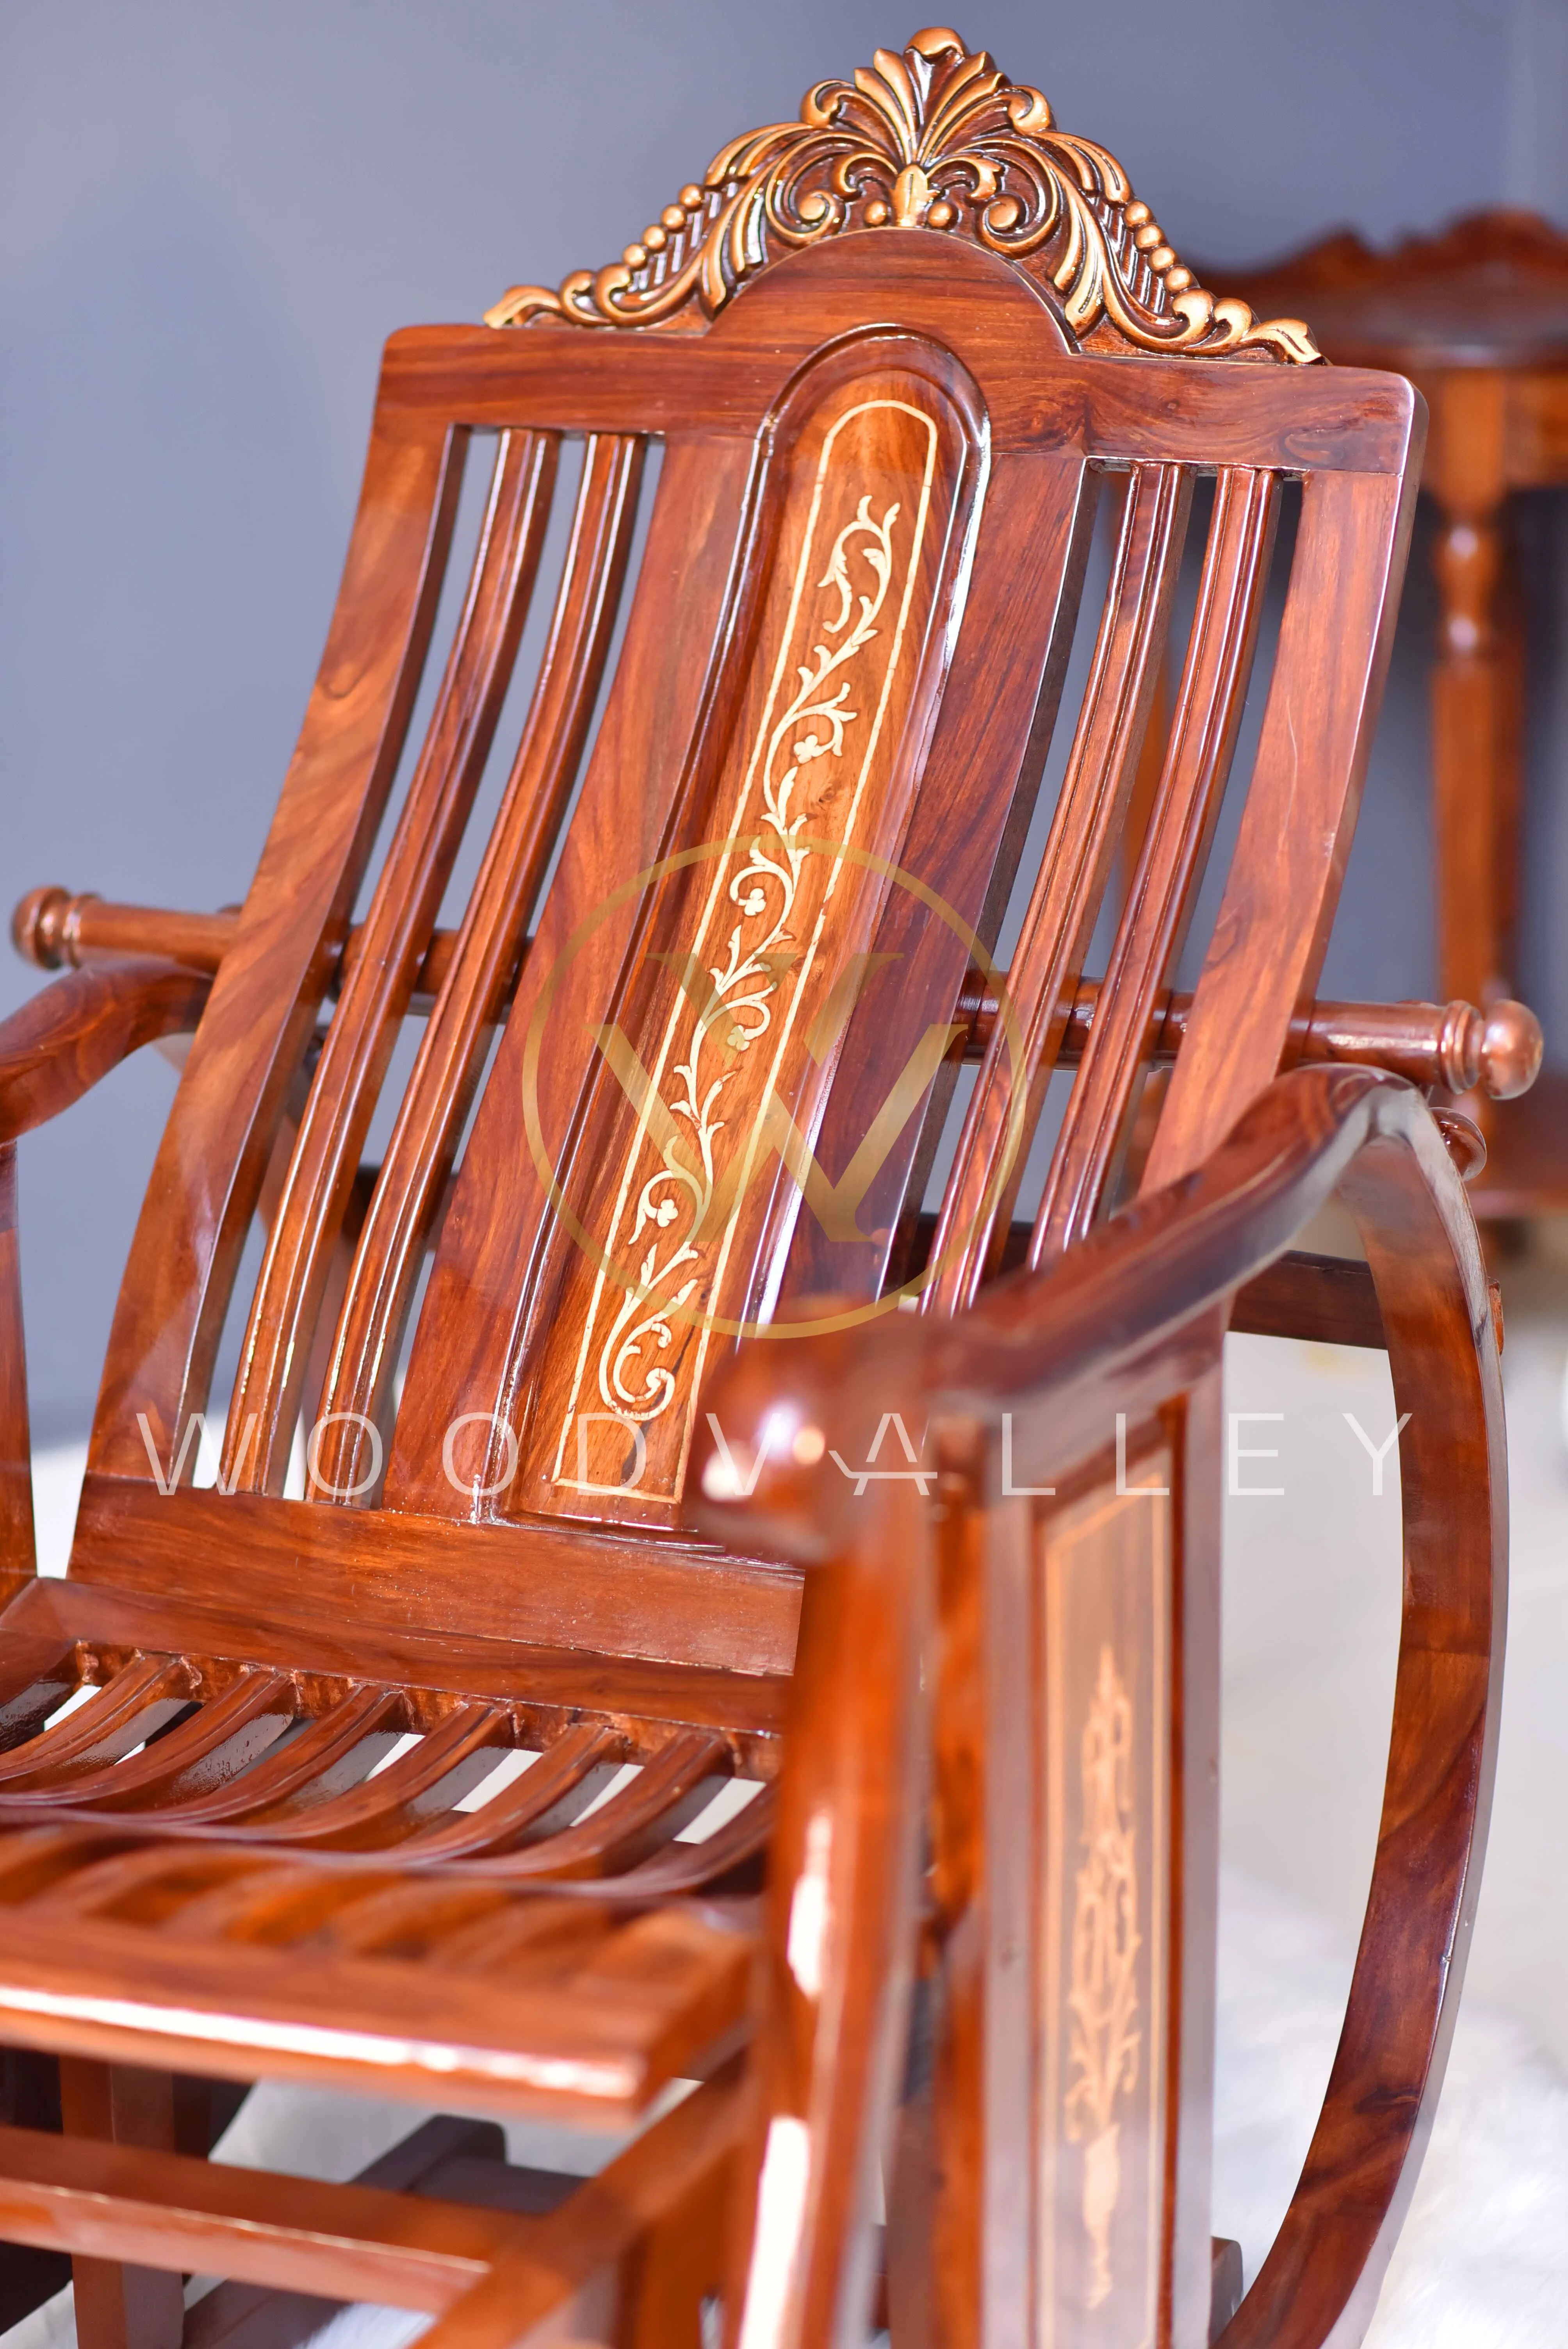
{"type": "Point", "coordinates": [758, 947]}
{"type": "Point", "coordinates": [729, 1026]}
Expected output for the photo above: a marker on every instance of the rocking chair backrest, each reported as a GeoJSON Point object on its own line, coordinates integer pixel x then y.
{"type": "Point", "coordinates": [891, 353]}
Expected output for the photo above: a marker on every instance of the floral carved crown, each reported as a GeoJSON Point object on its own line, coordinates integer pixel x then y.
{"type": "Point", "coordinates": [939, 139]}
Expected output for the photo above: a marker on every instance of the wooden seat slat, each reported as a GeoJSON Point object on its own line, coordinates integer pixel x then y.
{"type": "Point", "coordinates": [218, 1741]}
{"type": "Point", "coordinates": [244, 2009]}
{"type": "Point", "coordinates": [550, 1794]}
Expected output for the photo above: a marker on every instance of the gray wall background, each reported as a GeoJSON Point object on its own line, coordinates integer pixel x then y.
{"type": "Point", "coordinates": [211, 215]}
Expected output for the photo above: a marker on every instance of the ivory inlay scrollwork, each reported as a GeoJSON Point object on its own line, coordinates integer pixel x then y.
{"type": "Point", "coordinates": [937, 137]}
{"type": "Point", "coordinates": [1102, 1999]}
{"type": "Point", "coordinates": [763, 980]}
{"type": "Point", "coordinates": [688, 1200]}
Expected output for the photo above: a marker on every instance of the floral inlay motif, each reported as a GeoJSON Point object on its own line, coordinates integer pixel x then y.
{"type": "Point", "coordinates": [687, 1200]}
{"type": "Point", "coordinates": [1103, 2000]}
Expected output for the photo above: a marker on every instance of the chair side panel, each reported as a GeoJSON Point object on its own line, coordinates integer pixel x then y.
{"type": "Point", "coordinates": [1101, 1651]}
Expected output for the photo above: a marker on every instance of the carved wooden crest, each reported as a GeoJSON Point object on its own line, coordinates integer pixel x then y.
{"type": "Point", "coordinates": [939, 139]}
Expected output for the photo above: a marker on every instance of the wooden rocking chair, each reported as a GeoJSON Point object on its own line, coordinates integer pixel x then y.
{"type": "Point", "coordinates": [683, 1064]}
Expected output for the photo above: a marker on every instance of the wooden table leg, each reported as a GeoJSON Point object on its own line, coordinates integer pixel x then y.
{"type": "Point", "coordinates": [1476, 690]}
{"type": "Point", "coordinates": [120, 2307]}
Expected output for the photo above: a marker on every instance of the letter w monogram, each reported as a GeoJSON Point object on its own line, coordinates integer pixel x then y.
{"type": "Point", "coordinates": [836, 1206]}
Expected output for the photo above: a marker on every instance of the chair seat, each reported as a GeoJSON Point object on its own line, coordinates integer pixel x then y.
{"type": "Point", "coordinates": [294, 1881]}
{"type": "Point", "coordinates": [516, 2002]}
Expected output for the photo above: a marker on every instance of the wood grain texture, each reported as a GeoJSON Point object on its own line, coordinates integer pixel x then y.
{"type": "Point", "coordinates": [1175, 846]}
{"type": "Point", "coordinates": [118, 2305]}
{"type": "Point", "coordinates": [353, 2242]}
{"type": "Point", "coordinates": [1034, 389]}
{"type": "Point", "coordinates": [833, 1998]}
{"type": "Point", "coordinates": [1074, 874]}
{"type": "Point", "coordinates": [752, 954]}
{"type": "Point", "coordinates": [1272, 929]}
{"type": "Point", "coordinates": [418, 1165]}
{"type": "Point", "coordinates": [482, 1305]}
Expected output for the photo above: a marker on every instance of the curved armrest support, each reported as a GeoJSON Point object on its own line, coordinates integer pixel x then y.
{"type": "Point", "coordinates": [52, 1051]}
{"type": "Point", "coordinates": [59, 1045]}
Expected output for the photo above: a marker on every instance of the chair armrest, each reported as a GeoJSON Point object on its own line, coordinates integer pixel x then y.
{"type": "Point", "coordinates": [51, 1051]}
{"type": "Point", "coordinates": [1129, 1324]}
{"type": "Point", "coordinates": [59, 1045]}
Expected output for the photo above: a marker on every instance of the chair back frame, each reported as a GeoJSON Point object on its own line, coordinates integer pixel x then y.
{"type": "Point", "coordinates": [586, 1273]}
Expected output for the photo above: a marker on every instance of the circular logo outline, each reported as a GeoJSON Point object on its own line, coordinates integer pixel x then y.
{"type": "Point", "coordinates": [638, 884]}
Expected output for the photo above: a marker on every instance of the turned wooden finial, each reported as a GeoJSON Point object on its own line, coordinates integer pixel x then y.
{"type": "Point", "coordinates": [1511, 1049]}
{"type": "Point", "coordinates": [38, 927]}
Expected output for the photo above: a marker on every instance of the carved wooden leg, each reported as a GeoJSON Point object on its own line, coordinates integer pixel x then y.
{"type": "Point", "coordinates": [29, 2098]}
{"type": "Point", "coordinates": [16, 1557]}
{"type": "Point", "coordinates": [674, 2268]}
{"type": "Point", "coordinates": [120, 2307]}
{"type": "Point", "coordinates": [1476, 689]}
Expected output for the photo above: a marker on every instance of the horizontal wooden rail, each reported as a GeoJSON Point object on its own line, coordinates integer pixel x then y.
{"type": "Point", "coordinates": [1451, 1045]}
{"type": "Point", "coordinates": [359, 2242]}
{"type": "Point", "coordinates": [168, 2209]}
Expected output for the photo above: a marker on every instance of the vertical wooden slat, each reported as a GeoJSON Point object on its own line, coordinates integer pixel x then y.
{"type": "Point", "coordinates": [1073, 874]}
{"type": "Point", "coordinates": [376, 995]}
{"type": "Point", "coordinates": [263, 1004]}
{"type": "Point", "coordinates": [997, 2008]}
{"type": "Point", "coordinates": [833, 1996]}
{"type": "Point", "coordinates": [1171, 862]}
{"type": "Point", "coordinates": [18, 1556]}
{"type": "Point", "coordinates": [419, 1156]}
{"type": "Point", "coordinates": [1145, 784]}
{"type": "Point", "coordinates": [999, 705]}
{"type": "Point", "coordinates": [1295, 832]}
{"type": "Point", "coordinates": [473, 1326]}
